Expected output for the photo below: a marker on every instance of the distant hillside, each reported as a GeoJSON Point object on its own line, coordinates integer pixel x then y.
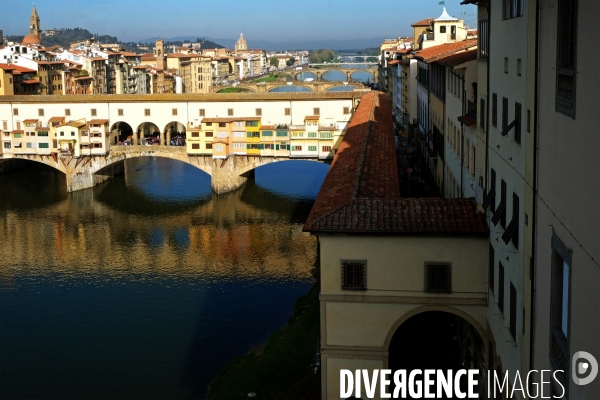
{"type": "Point", "coordinates": [69, 35]}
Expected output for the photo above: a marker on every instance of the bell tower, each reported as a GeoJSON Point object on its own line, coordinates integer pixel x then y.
{"type": "Point", "coordinates": [159, 52]}
{"type": "Point", "coordinates": [34, 23]}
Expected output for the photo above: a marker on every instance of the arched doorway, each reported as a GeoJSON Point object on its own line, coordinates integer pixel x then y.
{"type": "Point", "coordinates": [148, 133]}
{"type": "Point", "coordinates": [122, 133]}
{"type": "Point", "coordinates": [174, 134]}
{"type": "Point", "coordinates": [437, 340]}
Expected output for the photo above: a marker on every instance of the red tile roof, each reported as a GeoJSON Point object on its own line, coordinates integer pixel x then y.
{"type": "Point", "coordinates": [31, 81]}
{"type": "Point", "coordinates": [423, 22]}
{"type": "Point", "coordinates": [56, 119]}
{"type": "Point", "coordinates": [434, 53]}
{"type": "Point", "coordinates": [459, 58]}
{"type": "Point", "coordinates": [16, 68]}
{"type": "Point", "coordinates": [361, 193]}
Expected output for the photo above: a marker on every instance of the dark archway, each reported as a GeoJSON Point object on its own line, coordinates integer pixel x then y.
{"type": "Point", "coordinates": [122, 132]}
{"type": "Point", "coordinates": [148, 133]}
{"type": "Point", "coordinates": [175, 133]}
{"type": "Point", "coordinates": [436, 340]}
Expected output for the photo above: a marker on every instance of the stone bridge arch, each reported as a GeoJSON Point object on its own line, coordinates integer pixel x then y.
{"type": "Point", "coordinates": [298, 83]}
{"type": "Point", "coordinates": [254, 162]}
{"type": "Point", "coordinates": [7, 164]}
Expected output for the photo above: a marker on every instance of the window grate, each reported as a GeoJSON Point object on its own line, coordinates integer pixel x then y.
{"type": "Point", "coordinates": [354, 275]}
{"type": "Point", "coordinates": [438, 277]}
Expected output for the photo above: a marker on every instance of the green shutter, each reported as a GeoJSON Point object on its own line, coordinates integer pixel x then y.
{"type": "Point", "coordinates": [247, 147]}
{"type": "Point", "coordinates": [249, 134]}
{"type": "Point", "coordinates": [276, 147]}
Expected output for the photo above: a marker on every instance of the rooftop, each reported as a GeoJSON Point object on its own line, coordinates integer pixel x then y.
{"type": "Point", "coordinates": [434, 53]}
{"type": "Point", "coordinates": [360, 193]}
{"type": "Point", "coordinates": [423, 22]}
{"type": "Point", "coordinates": [459, 58]}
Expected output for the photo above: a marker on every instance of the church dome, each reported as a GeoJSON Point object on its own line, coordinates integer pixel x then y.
{"type": "Point", "coordinates": [32, 39]}
{"type": "Point", "coordinates": [241, 40]}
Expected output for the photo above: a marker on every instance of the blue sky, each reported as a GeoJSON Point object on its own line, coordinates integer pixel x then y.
{"type": "Point", "coordinates": [272, 20]}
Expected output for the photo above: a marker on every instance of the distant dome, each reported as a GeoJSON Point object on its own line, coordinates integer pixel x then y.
{"type": "Point", "coordinates": [32, 39]}
{"type": "Point", "coordinates": [241, 40]}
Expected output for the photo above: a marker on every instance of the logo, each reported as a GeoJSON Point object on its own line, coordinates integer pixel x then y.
{"type": "Point", "coordinates": [584, 368]}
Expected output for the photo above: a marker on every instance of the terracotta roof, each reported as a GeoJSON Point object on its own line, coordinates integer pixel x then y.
{"type": "Point", "coordinates": [459, 58]}
{"type": "Point", "coordinates": [179, 55]}
{"type": "Point", "coordinates": [311, 117]}
{"type": "Point", "coordinates": [443, 50]}
{"type": "Point", "coordinates": [84, 77]}
{"type": "Point", "coordinates": [423, 22]}
{"type": "Point", "coordinates": [393, 62]}
{"type": "Point", "coordinates": [98, 122]}
{"type": "Point", "coordinates": [16, 68]}
{"type": "Point", "coordinates": [75, 124]}
{"type": "Point", "coordinates": [204, 120]}
{"type": "Point", "coordinates": [18, 131]}
{"type": "Point", "coordinates": [326, 128]}
{"type": "Point", "coordinates": [56, 119]}
{"type": "Point", "coordinates": [30, 121]}
{"type": "Point", "coordinates": [31, 81]}
{"type": "Point", "coordinates": [360, 193]}
{"type": "Point", "coordinates": [267, 127]}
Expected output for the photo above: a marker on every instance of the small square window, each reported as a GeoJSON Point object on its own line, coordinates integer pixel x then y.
{"type": "Point", "coordinates": [259, 112]}
{"type": "Point", "coordinates": [93, 112]}
{"type": "Point", "coordinates": [147, 112]}
{"type": "Point", "coordinates": [120, 112]}
{"type": "Point", "coordinates": [288, 111]}
{"type": "Point", "coordinates": [15, 111]}
{"type": "Point", "coordinates": [443, 29]}
{"type": "Point", "coordinates": [316, 111]}
{"type": "Point", "coordinates": [40, 112]}
{"type": "Point", "coordinates": [201, 112]}
{"type": "Point", "coordinates": [354, 275]}
{"type": "Point", "coordinates": [230, 112]}
{"type": "Point", "coordinates": [174, 111]}
{"type": "Point", "coordinates": [506, 65]}
{"type": "Point", "coordinates": [438, 277]}
{"type": "Point", "coordinates": [346, 110]}
{"type": "Point", "coordinates": [67, 112]}
{"type": "Point", "coordinates": [518, 66]}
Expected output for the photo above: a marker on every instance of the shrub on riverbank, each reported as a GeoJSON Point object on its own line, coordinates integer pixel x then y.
{"type": "Point", "coordinates": [281, 369]}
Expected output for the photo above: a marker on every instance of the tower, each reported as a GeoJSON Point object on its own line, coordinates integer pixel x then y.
{"type": "Point", "coordinates": [34, 23]}
{"type": "Point", "coordinates": [241, 44]}
{"type": "Point", "coordinates": [160, 54]}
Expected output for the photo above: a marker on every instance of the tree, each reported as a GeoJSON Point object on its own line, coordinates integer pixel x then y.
{"type": "Point", "coordinates": [291, 61]}
{"type": "Point", "coordinates": [274, 61]}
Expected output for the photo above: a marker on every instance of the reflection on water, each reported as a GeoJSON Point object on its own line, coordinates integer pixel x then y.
{"type": "Point", "coordinates": [147, 285]}
{"type": "Point", "coordinates": [290, 88]}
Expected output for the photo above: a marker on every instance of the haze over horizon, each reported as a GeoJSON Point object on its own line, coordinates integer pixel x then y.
{"type": "Point", "coordinates": [137, 20]}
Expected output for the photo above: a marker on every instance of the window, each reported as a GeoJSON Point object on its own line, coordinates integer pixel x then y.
{"type": "Point", "coordinates": [208, 134]}
{"type": "Point", "coordinates": [97, 145]}
{"type": "Point", "coordinates": [513, 8]}
{"type": "Point", "coordinates": [93, 112]}
{"type": "Point", "coordinates": [120, 112]}
{"type": "Point", "coordinates": [490, 199]}
{"type": "Point", "coordinates": [512, 324]}
{"type": "Point", "coordinates": [62, 134]}
{"type": "Point", "coordinates": [258, 112]}
{"type": "Point", "coordinates": [443, 29]}
{"type": "Point", "coordinates": [518, 67]}
{"type": "Point", "coordinates": [326, 149]}
{"type": "Point", "coordinates": [219, 147]}
{"type": "Point", "coordinates": [222, 124]}
{"type": "Point", "coordinates": [7, 145]}
{"type": "Point", "coordinates": [174, 112]}
{"type": "Point", "coordinates": [15, 111]}
{"type": "Point", "coordinates": [560, 306]}
{"type": "Point", "coordinates": [326, 135]}
{"type": "Point", "coordinates": [312, 134]}
{"type": "Point", "coordinates": [354, 275]}
{"type": "Point", "coordinates": [504, 113]}
{"type": "Point", "coordinates": [528, 120]}
{"type": "Point", "coordinates": [482, 113]}
{"type": "Point", "coordinates": [222, 135]}
{"type": "Point", "coordinates": [73, 134]}
{"type": "Point", "coordinates": [438, 277]}
{"type": "Point", "coordinates": [208, 123]}
{"type": "Point", "coordinates": [566, 57]}
{"type": "Point", "coordinates": [316, 111]}
{"type": "Point", "coordinates": [282, 133]}
{"type": "Point", "coordinates": [40, 112]}
{"type": "Point", "coordinates": [267, 133]}
{"type": "Point", "coordinates": [195, 146]}
{"type": "Point", "coordinates": [501, 287]}
{"type": "Point", "coordinates": [67, 112]}
{"type": "Point", "coordinates": [494, 109]}
{"type": "Point", "coordinates": [201, 112]}
{"type": "Point", "coordinates": [296, 148]}
{"type": "Point", "coordinates": [239, 134]}
{"type": "Point", "coordinates": [491, 265]}
{"type": "Point", "coordinates": [44, 146]}
{"type": "Point", "coordinates": [518, 123]}
{"type": "Point", "coordinates": [209, 146]}
{"type": "Point", "coordinates": [346, 110]}
{"type": "Point", "coordinates": [230, 112]}
{"type": "Point", "coordinates": [195, 134]}
{"type": "Point", "coordinates": [30, 145]}
{"type": "Point", "coordinates": [5, 125]}
{"type": "Point", "coordinates": [147, 112]}
{"type": "Point", "coordinates": [42, 133]}
{"type": "Point", "coordinates": [484, 34]}
{"type": "Point", "coordinates": [500, 214]}
{"type": "Point", "coordinates": [288, 111]}
{"type": "Point", "coordinates": [506, 65]}
{"type": "Point", "coordinates": [312, 148]}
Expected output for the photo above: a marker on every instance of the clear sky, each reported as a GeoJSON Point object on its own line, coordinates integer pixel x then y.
{"type": "Point", "coordinates": [132, 20]}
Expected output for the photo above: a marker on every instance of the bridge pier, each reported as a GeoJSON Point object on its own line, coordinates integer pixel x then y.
{"type": "Point", "coordinates": [226, 175]}
{"type": "Point", "coordinates": [79, 178]}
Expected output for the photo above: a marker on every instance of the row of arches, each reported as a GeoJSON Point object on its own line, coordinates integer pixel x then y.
{"type": "Point", "coordinates": [148, 133]}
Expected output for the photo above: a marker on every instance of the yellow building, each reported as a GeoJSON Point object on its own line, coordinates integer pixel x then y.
{"type": "Point", "coordinates": [6, 80]}
{"type": "Point", "coordinates": [253, 145]}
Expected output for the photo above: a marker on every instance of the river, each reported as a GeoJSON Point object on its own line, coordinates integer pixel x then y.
{"type": "Point", "coordinates": [146, 286]}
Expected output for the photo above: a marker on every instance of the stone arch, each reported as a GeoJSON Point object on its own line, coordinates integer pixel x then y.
{"type": "Point", "coordinates": [174, 133]}
{"type": "Point", "coordinates": [364, 70]}
{"type": "Point", "coordinates": [47, 160]}
{"type": "Point", "coordinates": [121, 131]}
{"type": "Point", "coordinates": [147, 132]}
{"type": "Point", "coordinates": [258, 162]}
{"type": "Point", "coordinates": [298, 85]}
{"type": "Point", "coordinates": [423, 309]}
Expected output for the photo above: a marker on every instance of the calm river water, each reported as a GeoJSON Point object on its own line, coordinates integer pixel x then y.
{"type": "Point", "coordinates": [147, 285]}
